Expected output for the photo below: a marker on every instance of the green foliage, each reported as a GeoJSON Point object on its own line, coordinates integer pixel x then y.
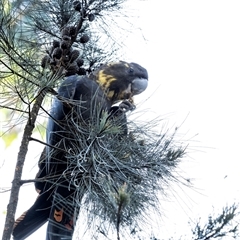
{"type": "Point", "coordinates": [25, 34]}
{"type": "Point", "coordinates": [119, 176]}
{"type": "Point", "coordinates": [27, 30]}
{"type": "Point", "coordinates": [220, 226]}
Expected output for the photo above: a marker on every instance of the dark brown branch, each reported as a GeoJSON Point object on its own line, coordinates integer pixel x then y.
{"type": "Point", "coordinates": [32, 180]}
{"type": "Point", "coordinates": [12, 206]}
{"type": "Point", "coordinates": [44, 179]}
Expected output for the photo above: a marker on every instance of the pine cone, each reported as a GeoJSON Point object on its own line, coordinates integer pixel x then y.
{"type": "Point", "coordinates": [77, 6]}
{"type": "Point", "coordinates": [65, 59]}
{"type": "Point", "coordinates": [74, 55]}
{"type": "Point", "coordinates": [57, 53]}
{"type": "Point", "coordinates": [45, 61]}
{"type": "Point", "coordinates": [56, 43]}
{"type": "Point", "coordinates": [81, 71]}
{"type": "Point", "coordinates": [65, 44]}
{"type": "Point", "coordinates": [72, 30]}
{"type": "Point", "coordinates": [80, 62]}
{"type": "Point", "coordinates": [65, 31]}
{"type": "Point", "coordinates": [84, 38]}
{"type": "Point", "coordinates": [72, 69]}
{"type": "Point", "coordinates": [66, 38]}
{"type": "Point", "coordinates": [91, 17]}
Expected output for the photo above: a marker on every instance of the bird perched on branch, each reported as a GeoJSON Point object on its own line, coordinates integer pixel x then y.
{"type": "Point", "coordinates": [81, 100]}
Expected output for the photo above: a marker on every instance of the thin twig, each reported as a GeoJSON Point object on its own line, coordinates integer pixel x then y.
{"type": "Point", "coordinates": [15, 61]}
{"type": "Point", "coordinates": [14, 109]}
{"type": "Point", "coordinates": [19, 75]}
{"type": "Point", "coordinates": [46, 144]}
{"type": "Point", "coordinates": [19, 95]}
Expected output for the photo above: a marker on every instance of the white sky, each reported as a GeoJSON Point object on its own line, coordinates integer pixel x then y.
{"type": "Point", "coordinates": [192, 54]}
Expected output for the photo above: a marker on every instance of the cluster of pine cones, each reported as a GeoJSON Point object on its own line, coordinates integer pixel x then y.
{"type": "Point", "coordinates": [62, 54]}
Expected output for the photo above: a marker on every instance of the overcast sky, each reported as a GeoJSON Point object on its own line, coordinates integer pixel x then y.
{"type": "Point", "coordinates": [192, 54]}
{"type": "Point", "coordinates": [193, 58]}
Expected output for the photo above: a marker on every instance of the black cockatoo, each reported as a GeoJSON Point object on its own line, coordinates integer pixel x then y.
{"type": "Point", "coordinates": [105, 86]}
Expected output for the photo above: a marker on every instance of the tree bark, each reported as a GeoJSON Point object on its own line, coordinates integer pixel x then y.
{"type": "Point", "coordinates": [16, 183]}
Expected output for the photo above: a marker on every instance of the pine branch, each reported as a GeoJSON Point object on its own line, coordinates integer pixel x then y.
{"type": "Point", "coordinates": [16, 184]}
{"type": "Point", "coordinates": [219, 226]}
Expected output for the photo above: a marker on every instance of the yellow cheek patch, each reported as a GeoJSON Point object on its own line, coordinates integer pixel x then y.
{"type": "Point", "coordinates": [110, 94]}
{"type": "Point", "coordinates": [105, 80]}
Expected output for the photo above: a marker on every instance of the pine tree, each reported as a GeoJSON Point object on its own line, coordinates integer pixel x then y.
{"type": "Point", "coordinates": [41, 42]}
